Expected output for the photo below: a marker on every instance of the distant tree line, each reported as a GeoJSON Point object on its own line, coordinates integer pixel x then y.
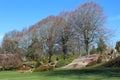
{"type": "Point", "coordinates": [69, 32]}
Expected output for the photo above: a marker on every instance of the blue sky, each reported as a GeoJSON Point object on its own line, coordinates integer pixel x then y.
{"type": "Point", "coordinates": [18, 14]}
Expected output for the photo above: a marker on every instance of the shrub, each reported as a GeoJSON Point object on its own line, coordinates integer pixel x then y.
{"type": "Point", "coordinates": [10, 61]}
{"type": "Point", "coordinates": [36, 64]}
{"type": "Point", "coordinates": [1, 68]}
{"type": "Point", "coordinates": [61, 62]}
{"type": "Point", "coordinates": [46, 67]}
{"type": "Point", "coordinates": [113, 63]}
{"type": "Point", "coordinates": [44, 61]}
{"type": "Point", "coordinates": [54, 58]}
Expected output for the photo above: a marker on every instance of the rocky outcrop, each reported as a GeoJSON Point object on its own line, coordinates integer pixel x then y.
{"type": "Point", "coordinates": [83, 61]}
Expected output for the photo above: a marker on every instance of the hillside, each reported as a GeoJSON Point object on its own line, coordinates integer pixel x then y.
{"type": "Point", "coordinates": [82, 61]}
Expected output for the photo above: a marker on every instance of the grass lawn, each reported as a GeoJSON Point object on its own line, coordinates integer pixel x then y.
{"type": "Point", "coordinates": [62, 74]}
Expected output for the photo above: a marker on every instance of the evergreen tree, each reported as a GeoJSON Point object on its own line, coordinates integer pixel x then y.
{"type": "Point", "coordinates": [101, 45]}
{"type": "Point", "coordinates": [117, 47]}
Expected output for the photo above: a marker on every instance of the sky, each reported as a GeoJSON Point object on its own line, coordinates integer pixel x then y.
{"type": "Point", "coordinates": [19, 14]}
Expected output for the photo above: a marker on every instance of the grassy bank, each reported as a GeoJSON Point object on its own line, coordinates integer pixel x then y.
{"type": "Point", "coordinates": [62, 74]}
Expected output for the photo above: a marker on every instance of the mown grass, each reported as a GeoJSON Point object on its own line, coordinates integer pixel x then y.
{"type": "Point", "coordinates": [65, 74]}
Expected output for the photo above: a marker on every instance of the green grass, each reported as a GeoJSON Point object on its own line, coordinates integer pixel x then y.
{"type": "Point", "coordinates": [65, 74]}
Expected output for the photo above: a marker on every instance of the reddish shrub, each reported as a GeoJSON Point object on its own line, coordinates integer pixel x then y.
{"type": "Point", "coordinates": [10, 60]}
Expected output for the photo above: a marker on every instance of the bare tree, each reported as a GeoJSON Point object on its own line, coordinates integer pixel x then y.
{"type": "Point", "coordinates": [9, 44]}
{"type": "Point", "coordinates": [49, 34]}
{"type": "Point", "coordinates": [88, 21]}
{"type": "Point", "coordinates": [69, 30]}
{"type": "Point", "coordinates": [66, 32]}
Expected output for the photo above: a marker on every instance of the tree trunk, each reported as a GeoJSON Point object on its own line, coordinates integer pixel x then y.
{"type": "Point", "coordinates": [87, 47]}
{"type": "Point", "coordinates": [64, 51]}
{"type": "Point", "coordinates": [50, 55]}
{"type": "Point", "coordinates": [49, 59]}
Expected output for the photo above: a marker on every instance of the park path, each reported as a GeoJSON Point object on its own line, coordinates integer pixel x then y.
{"type": "Point", "coordinates": [82, 61]}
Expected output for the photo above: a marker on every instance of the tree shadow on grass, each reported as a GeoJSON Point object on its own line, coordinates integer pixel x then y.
{"type": "Point", "coordinates": [104, 72]}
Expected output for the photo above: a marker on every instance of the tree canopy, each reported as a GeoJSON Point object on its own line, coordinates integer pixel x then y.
{"type": "Point", "coordinates": [84, 25]}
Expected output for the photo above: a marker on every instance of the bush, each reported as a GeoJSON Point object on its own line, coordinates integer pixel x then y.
{"type": "Point", "coordinates": [44, 61]}
{"type": "Point", "coordinates": [53, 58]}
{"type": "Point", "coordinates": [36, 64]}
{"type": "Point", "coordinates": [61, 63]}
{"type": "Point", "coordinates": [10, 61]}
{"type": "Point", "coordinates": [1, 68]}
{"type": "Point", "coordinates": [11, 67]}
{"type": "Point", "coordinates": [69, 59]}
{"type": "Point", "coordinates": [113, 63]}
{"type": "Point", "coordinates": [46, 67]}
{"type": "Point", "coordinates": [37, 69]}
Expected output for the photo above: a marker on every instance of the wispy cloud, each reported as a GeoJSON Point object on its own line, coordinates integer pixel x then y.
{"type": "Point", "coordinates": [114, 18]}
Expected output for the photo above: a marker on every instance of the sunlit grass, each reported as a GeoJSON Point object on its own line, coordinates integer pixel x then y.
{"type": "Point", "coordinates": [65, 74]}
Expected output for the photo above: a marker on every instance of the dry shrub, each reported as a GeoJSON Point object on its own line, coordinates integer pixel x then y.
{"type": "Point", "coordinates": [26, 71]}
{"type": "Point", "coordinates": [113, 63]}
{"type": "Point", "coordinates": [10, 60]}
{"type": "Point", "coordinates": [49, 66]}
